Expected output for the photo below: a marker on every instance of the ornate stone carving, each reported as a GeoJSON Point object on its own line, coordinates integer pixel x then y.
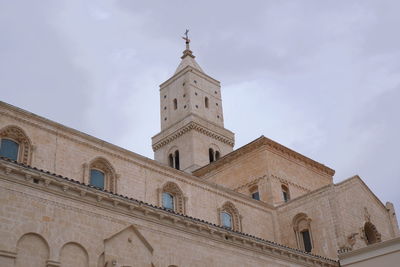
{"type": "Point", "coordinates": [189, 127]}
{"type": "Point", "coordinates": [18, 135]}
{"type": "Point", "coordinates": [370, 234]}
{"type": "Point", "coordinates": [232, 210]}
{"type": "Point", "coordinates": [176, 192]}
{"type": "Point", "coordinates": [301, 222]}
{"type": "Point", "coordinates": [105, 166]}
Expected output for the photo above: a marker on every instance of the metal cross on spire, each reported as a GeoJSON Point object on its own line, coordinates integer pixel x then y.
{"type": "Point", "coordinates": [186, 38]}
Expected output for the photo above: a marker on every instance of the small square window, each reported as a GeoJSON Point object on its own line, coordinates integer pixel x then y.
{"type": "Point", "coordinates": [255, 195]}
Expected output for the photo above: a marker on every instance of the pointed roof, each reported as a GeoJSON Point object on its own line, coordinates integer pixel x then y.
{"type": "Point", "coordinates": [188, 58]}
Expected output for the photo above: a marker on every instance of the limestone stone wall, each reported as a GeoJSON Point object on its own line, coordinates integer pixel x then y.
{"type": "Point", "coordinates": [337, 215]}
{"type": "Point", "coordinates": [68, 153]}
{"type": "Point", "coordinates": [318, 208]}
{"type": "Point", "coordinates": [297, 176]}
{"type": "Point", "coordinates": [260, 163]}
{"type": "Point", "coordinates": [190, 88]}
{"type": "Point", "coordinates": [48, 224]}
{"type": "Point", "coordinates": [365, 207]}
{"type": "Point", "coordinates": [240, 171]}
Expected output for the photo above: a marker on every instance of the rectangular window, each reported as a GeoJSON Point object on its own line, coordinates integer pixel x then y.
{"type": "Point", "coordinates": [9, 149]}
{"type": "Point", "coordinates": [226, 220]}
{"type": "Point", "coordinates": [256, 195]}
{"type": "Point", "coordinates": [285, 196]}
{"type": "Point", "coordinates": [306, 240]}
{"type": "Point", "coordinates": [168, 201]}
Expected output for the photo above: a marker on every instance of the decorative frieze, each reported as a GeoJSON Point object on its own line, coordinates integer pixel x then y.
{"type": "Point", "coordinates": [195, 127]}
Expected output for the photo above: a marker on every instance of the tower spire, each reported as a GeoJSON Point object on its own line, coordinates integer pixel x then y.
{"type": "Point", "coordinates": [187, 51]}
{"type": "Point", "coordinates": [187, 57]}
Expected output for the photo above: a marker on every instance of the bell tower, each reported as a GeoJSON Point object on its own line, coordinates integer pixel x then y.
{"type": "Point", "coordinates": [192, 122]}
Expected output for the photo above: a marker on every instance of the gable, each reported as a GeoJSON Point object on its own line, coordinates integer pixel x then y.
{"type": "Point", "coordinates": [128, 247]}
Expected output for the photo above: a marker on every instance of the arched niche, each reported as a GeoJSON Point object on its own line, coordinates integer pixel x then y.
{"type": "Point", "coordinates": [32, 250]}
{"type": "Point", "coordinates": [74, 254]}
{"type": "Point", "coordinates": [371, 234]}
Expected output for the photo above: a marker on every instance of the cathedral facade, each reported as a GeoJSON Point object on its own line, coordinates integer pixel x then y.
{"type": "Point", "coordinates": [70, 199]}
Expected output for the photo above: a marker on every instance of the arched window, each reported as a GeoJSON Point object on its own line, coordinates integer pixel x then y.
{"type": "Point", "coordinates": [211, 154]}
{"type": "Point", "coordinates": [102, 175]}
{"type": "Point", "coordinates": [302, 229]}
{"type": "Point", "coordinates": [217, 155]}
{"type": "Point", "coordinates": [15, 144]}
{"type": "Point", "coordinates": [229, 217]}
{"type": "Point", "coordinates": [172, 198]}
{"type": "Point", "coordinates": [285, 193]}
{"type": "Point", "coordinates": [175, 103]}
{"type": "Point", "coordinates": [206, 102]}
{"type": "Point", "coordinates": [371, 234]}
{"type": "Point", "coordinates": [173, 159]}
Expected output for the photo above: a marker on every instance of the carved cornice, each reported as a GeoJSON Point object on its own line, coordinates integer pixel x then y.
{"type": "Point", "coordinates": [272, 146]}
{"type": "Point", "coordinates": [69, 188]}
{"type": "Point", "coordinates": [195, 127]}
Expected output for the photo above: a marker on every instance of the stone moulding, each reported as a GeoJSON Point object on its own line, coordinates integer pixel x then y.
{"type": "Point", "coordinates": [132, 207]}
{"type": "Point", "coordinates": [189, 127]}
{"type": "Point", "coordinates": [8, 254]}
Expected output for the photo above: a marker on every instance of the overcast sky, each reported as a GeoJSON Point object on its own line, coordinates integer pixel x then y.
{"type": "Point", "coordinates": [320, 77]}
